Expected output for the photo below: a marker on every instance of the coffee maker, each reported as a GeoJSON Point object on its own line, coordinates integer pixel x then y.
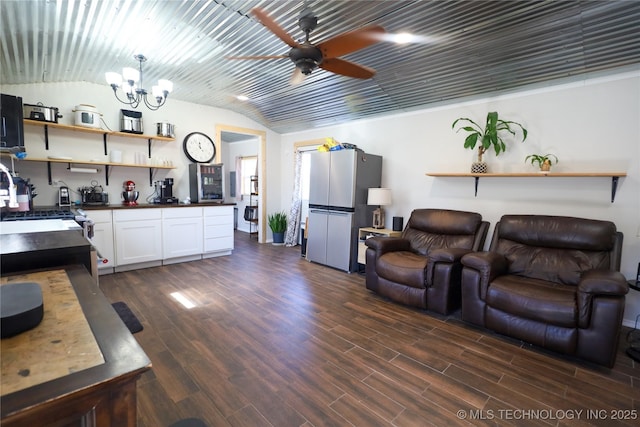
{"type": "Point", "coordinates": [164, 192]}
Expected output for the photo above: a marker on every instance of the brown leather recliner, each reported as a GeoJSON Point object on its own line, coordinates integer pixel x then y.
{"type": "Point", "coordinates": [551, 281]}
{"type": "Point", "coordinates": [422, 267]}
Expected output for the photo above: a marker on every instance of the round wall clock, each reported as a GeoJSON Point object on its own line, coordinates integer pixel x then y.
{"type": "Point", "coordinates": [199, 147]}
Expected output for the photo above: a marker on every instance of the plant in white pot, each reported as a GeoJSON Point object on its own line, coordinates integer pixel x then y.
{"type": "Point", "coordinates": [489, 136]}
{"type": "Point", "coordinates": [278, 224]}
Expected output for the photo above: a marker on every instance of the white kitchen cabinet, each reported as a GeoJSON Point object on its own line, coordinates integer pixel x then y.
{"type": "Point", "coordinates": [138, 237]}
{"type": "Point", "coordinates": [218, 230]}
{"type": "Point", "coordinates": [182, 234]}
{"type": "Point", "coordinates": [103, 239]}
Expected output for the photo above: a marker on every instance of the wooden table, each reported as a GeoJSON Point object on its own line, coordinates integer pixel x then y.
{"type": "Point", "coordinates": [92, 360]}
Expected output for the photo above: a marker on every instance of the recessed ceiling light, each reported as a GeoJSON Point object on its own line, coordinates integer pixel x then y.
{"type": "Point", "coordinates": [242, 98]}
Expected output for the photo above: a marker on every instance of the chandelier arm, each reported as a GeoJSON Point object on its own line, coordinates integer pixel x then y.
{"type": "Point", "coordinates": [128, 102]}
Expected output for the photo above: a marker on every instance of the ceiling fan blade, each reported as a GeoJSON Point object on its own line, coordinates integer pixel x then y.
{"type": "Point", "coordinates": [347, 68]}
{"type": "Point", "coordinates": [273, 26]}
{"type": "Point", "coordinates": [258, 57]}
{"type": "Point", "coordinates": [351, 41]}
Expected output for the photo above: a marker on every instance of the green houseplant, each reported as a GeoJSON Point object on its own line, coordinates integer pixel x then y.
{"type": "Point", "coordinates": [278, 224]}
{"type": "Point", "coordinates": [544, 161]}
{"type": "Point", "coordinates": [489, 136]}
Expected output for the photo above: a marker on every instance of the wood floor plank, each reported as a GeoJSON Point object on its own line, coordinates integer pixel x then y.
{"type": "Point", "coordinates": [275, 340]}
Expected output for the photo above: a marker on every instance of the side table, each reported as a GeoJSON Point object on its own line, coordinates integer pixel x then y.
{"type": "Point", "coordinates": [363, 233]}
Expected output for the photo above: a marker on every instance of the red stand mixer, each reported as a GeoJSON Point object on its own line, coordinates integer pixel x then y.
{"type": "Point", "coordinates": [129, 194]}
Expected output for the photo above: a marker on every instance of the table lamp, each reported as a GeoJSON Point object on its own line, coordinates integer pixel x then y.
{"type": "Point", "coordinates": [379, 197]}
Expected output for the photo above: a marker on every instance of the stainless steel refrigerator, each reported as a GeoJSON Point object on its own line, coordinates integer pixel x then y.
{"type": "Point", "coordinates": [339, 182]}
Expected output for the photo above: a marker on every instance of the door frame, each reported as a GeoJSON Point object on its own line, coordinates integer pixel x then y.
{"type": "Point", "coordinates": [262, 170]}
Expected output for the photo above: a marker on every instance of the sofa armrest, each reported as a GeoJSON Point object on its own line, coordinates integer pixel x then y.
{"type": "Point", "coordinates": [603, 282]}
{"type": "Point", "coordinates": [383, 245]}
{"type": "Point", "coordinates": [594, 284]}
{"type": "Point", "coordinates": [489, 264]}
{"type": "Point", "coordinates": [447, 254]}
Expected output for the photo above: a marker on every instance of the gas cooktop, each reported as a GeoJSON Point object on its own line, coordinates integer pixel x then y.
{"type": "Point", "coordinates": [37, 214]}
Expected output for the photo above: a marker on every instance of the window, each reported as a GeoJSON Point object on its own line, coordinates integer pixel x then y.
{"type": "Point", "coordinates": [249, 168]}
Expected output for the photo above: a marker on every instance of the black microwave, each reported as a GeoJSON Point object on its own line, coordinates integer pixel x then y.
{"type": "Point", "coordinates": [12, 126]}
{"type": "Point", "coordinates": [206, 182]}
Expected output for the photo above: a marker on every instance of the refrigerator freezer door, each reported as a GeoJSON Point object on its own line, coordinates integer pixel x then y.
{"type": "Point", "coordinates": [329, 238]}
{"type": "Point", "coordinates": [339, 240]}
{"type": "Point", "coordinates": [317, 236]}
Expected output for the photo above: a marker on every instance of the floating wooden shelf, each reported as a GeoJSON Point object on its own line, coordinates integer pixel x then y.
{"type": "Point", "coordinates": [104, 134]}
{"type": "Point", "coordinates": [615, 176]}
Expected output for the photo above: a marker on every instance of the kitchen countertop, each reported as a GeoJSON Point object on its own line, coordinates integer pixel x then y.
{"type": "Point", "coordinates": [115, 206]}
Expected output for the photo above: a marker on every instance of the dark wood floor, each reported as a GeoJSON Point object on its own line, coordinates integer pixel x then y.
{"type": "Point", "coordinates": [278, 341]}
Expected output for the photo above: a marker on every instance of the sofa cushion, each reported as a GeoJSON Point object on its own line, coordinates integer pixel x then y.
{"type": "Point", "coordinates": [534, 299]}
{"type": "Point", "coordinates": [403, 267]}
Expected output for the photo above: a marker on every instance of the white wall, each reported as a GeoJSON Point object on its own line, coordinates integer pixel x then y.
{"type": "Point", "coordinates": [187, 117]}
{"type": "Point", "coordinates": [593, 125]}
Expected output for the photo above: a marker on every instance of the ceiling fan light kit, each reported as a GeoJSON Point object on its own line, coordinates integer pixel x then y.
{"type": "Point", "coordinates": [130, 81]}
{"type": "Point", "coordinates": [308, 56]}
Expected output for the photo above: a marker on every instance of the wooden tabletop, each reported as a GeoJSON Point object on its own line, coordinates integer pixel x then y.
{"type": "Point", "coordinates": [123, 358]}
{"type": "Point", "coordinates": [60, 345]}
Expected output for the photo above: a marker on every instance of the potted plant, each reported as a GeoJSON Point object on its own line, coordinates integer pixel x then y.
{"type": "Point", "coordinates": [544, 161]}
{"type": "Point", "coordinates": [278, 224]}
{"type": "Point", "coordinates": [490, 136]}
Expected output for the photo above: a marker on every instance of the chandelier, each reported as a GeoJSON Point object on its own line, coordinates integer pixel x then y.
{"type": "Point", "coordinates": [131, 83]}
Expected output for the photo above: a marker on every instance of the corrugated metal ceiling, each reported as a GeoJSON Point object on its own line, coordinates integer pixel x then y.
{"type": "Point", "coordinates": [464, 49]}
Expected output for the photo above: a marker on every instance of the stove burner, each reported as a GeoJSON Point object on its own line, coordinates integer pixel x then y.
{"type": "Point", "coordinates": [41, 214]}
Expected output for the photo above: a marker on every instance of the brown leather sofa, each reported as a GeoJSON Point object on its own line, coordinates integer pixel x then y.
{"type": "Point", "coordinates": [422, 267]}
{"type": "Point", "coordinates": [550, 281]}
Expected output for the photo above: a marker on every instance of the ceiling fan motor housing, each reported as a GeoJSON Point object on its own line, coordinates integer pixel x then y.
{"type": "Point", "coordinates": [306, 57]}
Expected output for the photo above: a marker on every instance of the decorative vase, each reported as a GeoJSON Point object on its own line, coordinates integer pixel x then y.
{"type": "Point", "coordinates": [479, 166]}
{"type": "Point", "coordinates": [545, 166]}
{"type": "Point", "coordinates": [278, 238]}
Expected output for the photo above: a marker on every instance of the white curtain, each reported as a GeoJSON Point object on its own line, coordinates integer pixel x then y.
{"type": "Point", "coordinates": [293, 220]}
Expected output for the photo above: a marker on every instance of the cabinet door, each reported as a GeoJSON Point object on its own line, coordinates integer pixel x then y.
{"type": "Point", "coordinates": [181, 237]}
{"type": "Point", "coordinates": [138, 241]}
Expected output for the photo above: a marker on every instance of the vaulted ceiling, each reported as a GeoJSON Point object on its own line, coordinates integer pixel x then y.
{"type": "Point", "coordinates": [461, 49]}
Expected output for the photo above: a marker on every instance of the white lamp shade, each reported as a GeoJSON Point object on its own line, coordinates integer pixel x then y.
{"type": "Point", "coordinates": [379, 196]}
{"type": "Point", "coordinates": [165, 85]}
{"type": "Point", "coordinates": [113, 78]}
{"type": "Point", "coordinates": [131, 74]}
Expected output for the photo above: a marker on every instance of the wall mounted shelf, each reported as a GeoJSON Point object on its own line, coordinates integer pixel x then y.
{"type": "Point", "coordinates": [615, 176]}
{"type": "Point", "coordinates": [107, 166]}
{"type": "Point", "coordinates": [102, 132]}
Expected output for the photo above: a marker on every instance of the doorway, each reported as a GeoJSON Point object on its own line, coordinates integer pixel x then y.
{"type": "Point", "coordinates": [229, 134]}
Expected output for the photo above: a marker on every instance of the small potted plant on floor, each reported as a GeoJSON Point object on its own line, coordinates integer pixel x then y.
{"type": "Point", "coordinates": [489, 136]}
{"type": "Point", "coordinates": [544, 161]}
{"type": "Point", "coordinates": [278, 224]}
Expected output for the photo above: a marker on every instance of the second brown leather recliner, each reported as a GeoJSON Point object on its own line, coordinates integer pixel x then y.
{"type": "Point", "coordinates": [422, 267]}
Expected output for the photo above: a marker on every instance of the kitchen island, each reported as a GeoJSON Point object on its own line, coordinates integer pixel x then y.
{"type": "Point", "coordinates": [94, 381]}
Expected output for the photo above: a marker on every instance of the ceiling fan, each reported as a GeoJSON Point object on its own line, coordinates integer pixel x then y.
{"type": "Point", "coordinates": [308, 56]}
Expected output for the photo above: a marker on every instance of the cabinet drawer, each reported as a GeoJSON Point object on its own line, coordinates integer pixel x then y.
{"type": "Point", "coordinates": [168, 213]}
{"type": "Point", "coordinates": [218, 244]}
{"type": "Point", "coordinates": [137, 215]}
{"type": "Point", "coordinates": [99, 216]}
{"type": "Point", "coordinates": [218, 211]}
{"type": "Point", "coordinates": [218, 230]}
{"type": "Point", "coordinates": [218, 220]}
